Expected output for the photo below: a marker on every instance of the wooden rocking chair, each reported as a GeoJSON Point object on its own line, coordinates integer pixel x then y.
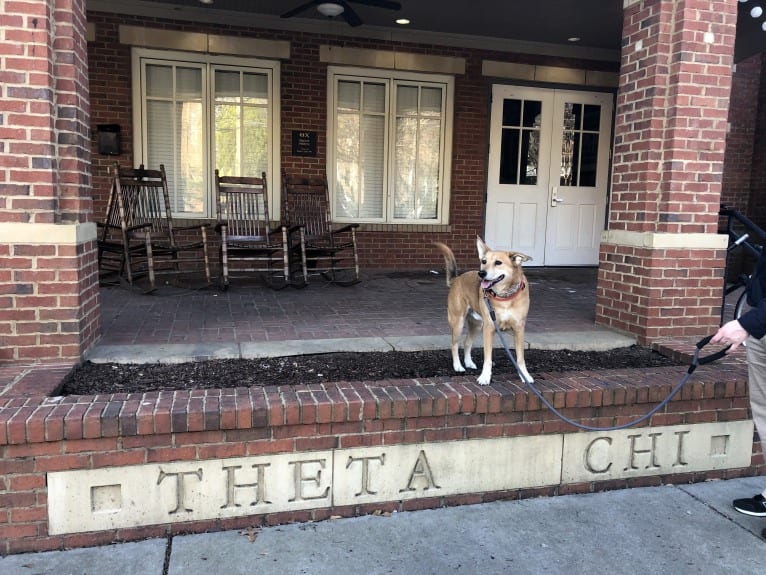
{"type": "Point", "coordinates": [143, 205]}
{"type": "Point", "coordinates": [242, 208]}
{"type": "Point", "coordinates": [322, 250]}
{"type": "Point", "coordinates": [124, 246]}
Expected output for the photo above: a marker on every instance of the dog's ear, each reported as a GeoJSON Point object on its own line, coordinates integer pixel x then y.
{"type": "Point", "coordinates": [481, 247]}
{"type": "Point", "coordinates": [518, 258]}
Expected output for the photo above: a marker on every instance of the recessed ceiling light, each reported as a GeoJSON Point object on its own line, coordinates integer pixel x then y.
{"type": "Point", "coordinates": [574, 39]}
{"type": "Point", "coordinates": [206, 1]}
{"type": "Point", "coordinates": [402, 21]}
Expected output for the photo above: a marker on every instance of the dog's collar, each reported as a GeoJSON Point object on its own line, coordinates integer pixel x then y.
{"type": "Point", "coordinates": [506, 295]}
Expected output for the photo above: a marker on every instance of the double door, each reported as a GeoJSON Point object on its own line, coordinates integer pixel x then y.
{"type": "Point", "coordinates": [548, 173]}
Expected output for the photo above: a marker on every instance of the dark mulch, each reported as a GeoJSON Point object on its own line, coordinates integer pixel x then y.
{"type": "Point", "coordinates": [90, 378]}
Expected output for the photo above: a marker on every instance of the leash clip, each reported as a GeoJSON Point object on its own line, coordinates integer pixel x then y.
{"type": "Point", "coordinates": [697, 360]}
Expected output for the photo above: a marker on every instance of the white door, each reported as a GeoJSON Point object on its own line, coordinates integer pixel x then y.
{"type": "Point", "coordinates": [548, 173]}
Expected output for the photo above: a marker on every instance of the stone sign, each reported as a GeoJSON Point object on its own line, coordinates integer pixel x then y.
{"type": "Point", "coordinates": [150, 494]}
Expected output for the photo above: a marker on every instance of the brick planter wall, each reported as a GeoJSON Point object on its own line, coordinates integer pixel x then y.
{"type": "Point", "coordinates": [42, 439]}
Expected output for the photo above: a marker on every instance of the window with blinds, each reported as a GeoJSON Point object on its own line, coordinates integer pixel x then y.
{"type": "Point", "coordinates": [199, 116]}
{"type": "Point", "coordinates": [388, 147]}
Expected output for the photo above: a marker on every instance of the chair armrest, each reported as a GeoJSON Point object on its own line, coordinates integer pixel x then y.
{"type": "Point", "coordinates": [344, 229]}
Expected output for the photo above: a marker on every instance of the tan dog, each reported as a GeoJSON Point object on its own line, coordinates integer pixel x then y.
{"type": "Point", "coordinates": [502, 280]}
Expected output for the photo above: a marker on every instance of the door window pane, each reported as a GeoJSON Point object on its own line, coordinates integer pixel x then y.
{"type": "Point", "coordinates": [511, 112]}
{"type": "Point", "coordinates": [579, 144]}
{"type": "Point", "coordinates": [520, 142]}
{"type": "Point", "coordinates": [509, 156]}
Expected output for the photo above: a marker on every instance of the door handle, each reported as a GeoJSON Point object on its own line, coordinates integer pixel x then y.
{"type": "Point", "coordinates": [555, 199]}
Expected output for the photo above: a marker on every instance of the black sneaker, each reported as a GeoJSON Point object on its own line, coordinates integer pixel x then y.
{"type": "Point", "coordinates": [755, 506]}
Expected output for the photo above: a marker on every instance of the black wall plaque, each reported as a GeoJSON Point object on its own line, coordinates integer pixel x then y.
{"type": "Point", "coordinates": [109, 139]}
{"type": "Point", "coordinates": [304, 143]}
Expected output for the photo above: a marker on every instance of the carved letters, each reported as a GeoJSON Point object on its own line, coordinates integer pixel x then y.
{"type": "Point", "coordinates": [308, 482]}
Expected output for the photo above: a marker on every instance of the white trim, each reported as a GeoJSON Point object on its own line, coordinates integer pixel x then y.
{"type": "Point", "coordinates": [664, 240]}
{"type": "Point", "coordinates": [47, 234]}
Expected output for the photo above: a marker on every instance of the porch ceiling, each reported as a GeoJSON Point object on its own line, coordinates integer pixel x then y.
{"type": "Point", "coordinates": [543, 26]}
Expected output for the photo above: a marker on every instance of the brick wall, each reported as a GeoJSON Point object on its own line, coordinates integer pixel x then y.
{"type": "Point", "coordinates": [39, 436]}
{"type": "Point", "coordinates": [671, 123]}
{"type": "Point", "coordinates": [658, 293]}
{"type": "Point", "coordinates": [48, 282]}
{"type": "Point", "coordinates": [740, 141]}
{"type": "Point", "coordinates": [757, 207]}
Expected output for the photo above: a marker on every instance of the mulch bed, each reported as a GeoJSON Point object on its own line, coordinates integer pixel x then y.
{"type": "Point", "coordinates": [90, 378]}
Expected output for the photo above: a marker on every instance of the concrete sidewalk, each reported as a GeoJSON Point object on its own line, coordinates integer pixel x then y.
{"type": "Point", "coordinates": [674, 530]}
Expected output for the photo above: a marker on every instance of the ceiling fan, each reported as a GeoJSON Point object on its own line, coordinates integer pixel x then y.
{"type": "Point", "coordinates": [342, 8]}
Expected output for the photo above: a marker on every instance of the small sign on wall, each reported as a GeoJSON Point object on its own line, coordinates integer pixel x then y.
{"type": "Point", "coordinates": [304, 143]}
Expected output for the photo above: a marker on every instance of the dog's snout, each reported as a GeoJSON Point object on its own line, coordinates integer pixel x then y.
{"type": "Point", "coordinates": [482, 274]}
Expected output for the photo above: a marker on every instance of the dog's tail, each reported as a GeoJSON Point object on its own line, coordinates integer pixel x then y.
{"type": "Point", "coordinates": [449, 262]}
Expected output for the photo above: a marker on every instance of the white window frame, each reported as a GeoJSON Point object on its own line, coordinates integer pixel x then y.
{"type": "Point", "coordinates": [393, 78]}
{"type": "Point", "coordinates": [209, 63]}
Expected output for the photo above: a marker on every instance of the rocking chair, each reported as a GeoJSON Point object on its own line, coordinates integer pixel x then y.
{"type": "Point", "coordinates": [322, 250]}
{"type": "Point", "coordinates": [242, 208]}
{"type": "Point", "coordinates": [143, 206]}
{"type": "Point", "coordinates": [124, 245]}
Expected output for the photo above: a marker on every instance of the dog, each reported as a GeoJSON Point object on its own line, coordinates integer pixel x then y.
{"type": "Point", "coordinates": [501, 279]}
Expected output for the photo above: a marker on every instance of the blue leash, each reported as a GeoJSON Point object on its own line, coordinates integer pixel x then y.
{"type": "Point", "coordinates": [696, 361]}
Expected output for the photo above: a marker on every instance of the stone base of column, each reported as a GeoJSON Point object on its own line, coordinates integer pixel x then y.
{"type": "Point", "coordinates": [659, 286]}
{"type": "Point", "coordinates": [50, 282]}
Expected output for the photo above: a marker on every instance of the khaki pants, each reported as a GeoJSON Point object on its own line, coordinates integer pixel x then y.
{"type": "Point", "coordinates": [756, 365]}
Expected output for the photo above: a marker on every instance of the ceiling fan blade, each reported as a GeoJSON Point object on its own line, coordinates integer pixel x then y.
{"type": "Point", "coordinates": [349, 15]}
{"type": "Point", "coordinates": [298, 9]}
{"type": "Point", "coordinates": [380, 4]}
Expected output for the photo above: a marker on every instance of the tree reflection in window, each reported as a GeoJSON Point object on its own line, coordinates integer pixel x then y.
{"type": "Point", "coordinates": [579, 144]}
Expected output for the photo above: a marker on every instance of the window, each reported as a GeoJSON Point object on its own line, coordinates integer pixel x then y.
{"type": "Point", "coordinates": [199, 113]}
{"type": "Point", "coordinates": [389, 146]}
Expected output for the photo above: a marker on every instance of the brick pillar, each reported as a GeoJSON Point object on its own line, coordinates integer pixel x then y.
{"type": "Point", "coordinates": [49, 301]}
{"type": "Point", "coordinates": [661, 259]}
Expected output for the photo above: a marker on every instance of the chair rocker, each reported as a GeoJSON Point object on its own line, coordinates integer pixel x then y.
{"type": "Point", "coordinates": [322, 250]}
{"type": "Point", "coordinates": [244, 226]}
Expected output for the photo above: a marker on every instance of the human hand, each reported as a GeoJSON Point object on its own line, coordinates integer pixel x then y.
{"type": "Point", "coordinates": [731, 333]}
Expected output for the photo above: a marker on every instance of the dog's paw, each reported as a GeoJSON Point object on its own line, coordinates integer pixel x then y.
{"type": "Point", "coordinates": [469, 363]}
{"type": "Point", "coordinates": [525, 375]}
{"type": "Point", "coordinates": [458, 367]}
{"type": "Point", "coordinates": [484, 379]}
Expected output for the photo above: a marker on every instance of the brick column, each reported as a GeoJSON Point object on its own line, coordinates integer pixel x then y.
{"type": "Point", "coordinates": [661, 259]}
{"type": "Point", "coordinates": [49, 305]}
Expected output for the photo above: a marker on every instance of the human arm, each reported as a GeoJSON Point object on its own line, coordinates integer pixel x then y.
{"type": "Point", "coordinates": [753, 323]}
